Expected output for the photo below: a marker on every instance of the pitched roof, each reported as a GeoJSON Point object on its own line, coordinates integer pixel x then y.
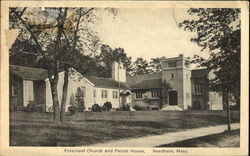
{"type": "Point", "coordinates": [199, 73]}
{"type": "Point", "coordinates": [29, 73]}
{"type": "Point", "coordinates": [147, 81]}
{"type": "Point", "coordinates": [106, 82]}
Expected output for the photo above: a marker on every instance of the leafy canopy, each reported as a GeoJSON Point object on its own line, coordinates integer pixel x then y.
{"type": "Point", "coordinates": [218, 32]}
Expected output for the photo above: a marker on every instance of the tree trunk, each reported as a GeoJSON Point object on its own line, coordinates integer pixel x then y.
{"type": "Point", "coordinates": [224, 100]}
{"type": "Point", "coordinates": [236, 95]}
{"type": "Point", "coordinates": [56, 107]}
{"type": "Point", "coordinates": [65, 93]}
{"type": "Point", "coordinates": [228, 113]}
{"type": "Point", "coordinates": [53, 79]}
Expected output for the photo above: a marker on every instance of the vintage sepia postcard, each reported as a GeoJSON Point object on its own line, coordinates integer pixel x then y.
{"type": "Point", "coordinates": [124, 77]}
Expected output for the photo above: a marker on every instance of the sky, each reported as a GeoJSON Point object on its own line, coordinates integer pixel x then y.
{"type": "Point", "coordinates": [148, 33]}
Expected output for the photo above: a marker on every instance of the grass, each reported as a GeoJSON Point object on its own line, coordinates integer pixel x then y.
{"type": "Point", "coordinates": [38, 129]}
{"type": "Point", "coordinates": [225, 139]}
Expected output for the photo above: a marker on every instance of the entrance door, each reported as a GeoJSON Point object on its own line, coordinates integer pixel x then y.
{"type": "Point", "coordinates": [123, 99]}
{"type": "Point", "coordinates": [173, 98]}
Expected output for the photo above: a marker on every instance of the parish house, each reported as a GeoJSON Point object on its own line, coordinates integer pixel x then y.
{"type": "Point", "coordinates": [176, 87]}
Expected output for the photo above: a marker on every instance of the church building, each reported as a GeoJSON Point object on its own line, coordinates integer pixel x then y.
{"type": "Point", "coordinates": [176, 87]}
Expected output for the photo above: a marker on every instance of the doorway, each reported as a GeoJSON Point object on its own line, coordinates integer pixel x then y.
{"type": "Point", "coordinates": [173, 98]}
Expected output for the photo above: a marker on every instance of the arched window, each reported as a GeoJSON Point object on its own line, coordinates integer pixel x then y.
{"type": "Point", "coordinates": [172, 76]}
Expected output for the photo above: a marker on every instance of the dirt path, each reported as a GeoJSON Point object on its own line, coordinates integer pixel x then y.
{"type": "Point", "coordinates": [152, 141]}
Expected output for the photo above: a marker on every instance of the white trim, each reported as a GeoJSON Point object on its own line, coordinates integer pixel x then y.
{"type": "Point", "coordinates": [59, 74]}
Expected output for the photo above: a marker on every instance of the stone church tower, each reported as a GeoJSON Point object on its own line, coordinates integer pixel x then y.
{"type": "Point", "coordinates": [176, 80]}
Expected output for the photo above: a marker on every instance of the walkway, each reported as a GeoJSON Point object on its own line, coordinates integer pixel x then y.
{"type": "Point", "coordinates": [157, 140]}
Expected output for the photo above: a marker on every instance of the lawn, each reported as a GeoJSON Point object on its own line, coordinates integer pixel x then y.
{"type": "Point", "coordinates": [38, 129]}
{"type": "Point", "coordinates": [225, 139]}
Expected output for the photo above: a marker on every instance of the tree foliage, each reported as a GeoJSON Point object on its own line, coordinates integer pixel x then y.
{"type": "Point", "coordinates": [140, 67]}
{"type": "Point", "coordinates": [218, 32]}
{"type": "Point", "coordinates": [54, 38]}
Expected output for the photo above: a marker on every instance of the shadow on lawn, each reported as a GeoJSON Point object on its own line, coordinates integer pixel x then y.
{"type": "Point", "coordinates": [225, 139]}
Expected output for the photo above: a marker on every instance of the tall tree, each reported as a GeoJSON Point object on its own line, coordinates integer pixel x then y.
{"type": "Point", "coordinates": [155, 64]}
{"type": "Point", "coordinates": [140, 67]}
{"type": "Point", "coordinates": [218, 32]}
{"type": "Point", "coordinates": [108, 55]}
{"type": "Point", "coordinates": [56, 34]}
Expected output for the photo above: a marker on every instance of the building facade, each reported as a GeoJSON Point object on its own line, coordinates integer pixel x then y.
{"type": "Point", "coordinates": [176, 87]}
{"type": "Point", "coordinates": [31, 85]}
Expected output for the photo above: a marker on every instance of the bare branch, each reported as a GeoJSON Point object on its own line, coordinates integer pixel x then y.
{"type": "Point", "coordinates": [28, 28]}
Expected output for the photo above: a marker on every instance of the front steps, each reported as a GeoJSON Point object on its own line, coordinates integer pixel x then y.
{"type": "Point", "coordinates": [171, 108]}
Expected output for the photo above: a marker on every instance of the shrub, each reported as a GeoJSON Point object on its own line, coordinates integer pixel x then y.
{"type": "Point", "coordinates": [72, 110]}
{"type": "Point", "coordinates": [137, 108]}
{"type": "Point", "coordinates": [30, 107]}
{"type": "Point", "coordinates": [125, 107]}
{"type": "Point", "coordinates": [96, 108]}
{"type": "Point", "coordinates": [107, 106]}
{"type": "Point", "coordinates": [79, 98]}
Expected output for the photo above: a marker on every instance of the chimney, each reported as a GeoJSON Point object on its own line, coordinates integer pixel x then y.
{"type": "Point", "coordinates": [118, 71]}
{"type": "Point", "coordinates": [181, 55]}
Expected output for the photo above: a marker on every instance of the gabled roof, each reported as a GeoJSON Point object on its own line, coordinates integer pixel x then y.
{"type": "Point", "coordinates": [106, 82]}
{"type": "Point", "coordinates": [199, 73]}
{"type": "Point", "coordinates": [147, 81]}
{"type": "Point", "coordinates": [29, 73]}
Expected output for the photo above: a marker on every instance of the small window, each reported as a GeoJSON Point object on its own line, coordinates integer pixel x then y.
{"type": "Point", "coordinates": [172, 76]}
{"type": "Point", "coordinates": [115, 94]}
{"type": "Point", "coordinates": [198, 88]}
{"type": "Point", "coordinates": [94, 93]}
{"type": "Point", "coordinates": [171, 64]}
{"type": "Point", "coordinates": [155, 94]}
{"type": "Point", "coordinates": [138, 95]}
{"type": "Point", "coordinates": [104, 94]}
{"type": "Point", "coordinates": [14, 90]}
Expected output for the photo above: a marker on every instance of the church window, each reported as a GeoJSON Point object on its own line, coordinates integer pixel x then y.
{"type": "Point", "coordinates": [115, 94]}
{"type": "Point", "coordinates": [155, 93]}
{"type": "Point", "coordinates": [104, 94]}
{"type": "Point", "coordinates": [172, 76]}
{"type": "Point", "coordinates": [198, 88]}
{"type": "Point", "coordinates": [138, 95]}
